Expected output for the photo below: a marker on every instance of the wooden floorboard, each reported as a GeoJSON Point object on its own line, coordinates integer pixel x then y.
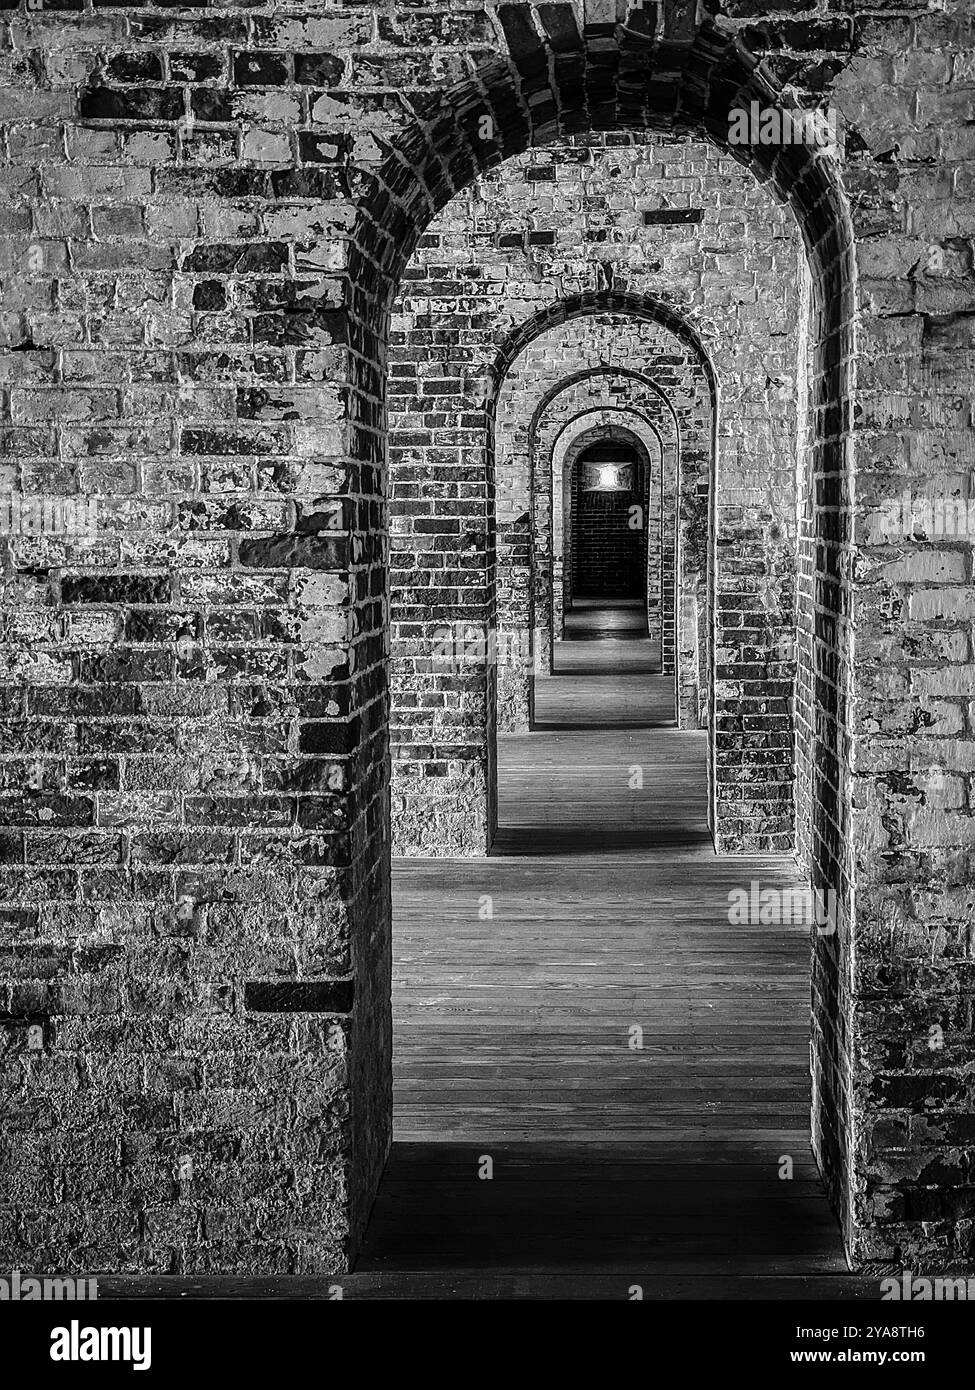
{"type": "Point", "coordinates": [578, 1008]}
{"type": "Point", "coordinates": [462, 1284]}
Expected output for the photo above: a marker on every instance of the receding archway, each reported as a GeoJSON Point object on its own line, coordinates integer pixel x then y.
{"type": "Point", "coordinates": [538, 96]}
{"type": "Point", "coordinates": [630, 432]}
{"type": "Point", "coordinates": [617, 396]}
{"type": "Point", "coordinates": [664, 373]}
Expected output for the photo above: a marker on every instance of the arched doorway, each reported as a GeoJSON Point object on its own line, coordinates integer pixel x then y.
{"type": "Point", "coordinates": [505, 110]}
{"type": "Point", "coordinates": [610, 483]}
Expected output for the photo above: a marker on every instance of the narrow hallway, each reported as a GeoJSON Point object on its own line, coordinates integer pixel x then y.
{"type": "Point", "coordinates": [578, 1009]}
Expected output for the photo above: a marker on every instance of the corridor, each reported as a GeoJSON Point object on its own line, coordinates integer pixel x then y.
{"type": "Point", "coordinates": [578, 1011]}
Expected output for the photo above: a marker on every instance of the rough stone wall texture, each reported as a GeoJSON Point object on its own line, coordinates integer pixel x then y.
{"type": "Point", "coordinates": [442, 582]}
{"type": "Point", "coordinates": [206, 217]}
{"type": "Point", "coordinates": [907, 822]}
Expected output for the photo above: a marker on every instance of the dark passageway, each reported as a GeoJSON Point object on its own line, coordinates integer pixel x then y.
{"type": "Point", "coordinates": [521, 984]}
{"type": "Point", "coordinates": [608, 551]}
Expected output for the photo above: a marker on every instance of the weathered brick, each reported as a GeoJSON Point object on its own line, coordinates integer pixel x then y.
{"type": "Point", "coordinates": [229, 613]}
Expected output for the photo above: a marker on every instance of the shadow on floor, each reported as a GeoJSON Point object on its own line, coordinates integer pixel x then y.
{"type": "Point", "coordinates": [609, 1209]}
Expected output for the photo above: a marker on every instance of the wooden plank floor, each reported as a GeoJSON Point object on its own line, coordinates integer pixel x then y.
{"type": "Point", "coordinates": [523, 984]}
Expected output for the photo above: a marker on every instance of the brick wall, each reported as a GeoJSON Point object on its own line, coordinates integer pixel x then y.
{"type": "Point", "coordinates": [206, 218]}
{"type": "Point", "coordinates": [904, 815]}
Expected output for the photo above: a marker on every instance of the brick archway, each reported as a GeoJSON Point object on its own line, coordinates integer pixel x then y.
{"type": "Point", "coordinates": [226, 682]}
{"type": "Point", "coordinates": [218, 209]}
{"type": "Point", "coordinates": [609, 480]}
{"type": "Point", "coordinates": [530, 402]}
{"type": "Point", "coordinates": [642, 307]}
{"type": "Point", "coordinates": [538, 96]}
{"type": "Point", "coordinates": [675, 374]}
{"type": "Point", "coordinates": [640, 435]}
{"type": "Point", "coordinates": [687, 471]}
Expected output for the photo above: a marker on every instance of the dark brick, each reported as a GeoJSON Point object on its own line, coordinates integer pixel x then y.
{"type": "Point", "coordinates": [135, 67]}
{"type": "Point", "coordinates": [261, 69]}
{"type": "Point", "coordinates": [210, 294]}
{"type": "Point", "coordinates": [253, 258]}
{"type": "Point", "coordinates": [317, 552]}
{"type": "Point", "coordinates": [318, 69]}
{"type": "Point", "coordinates": [299, 996]}
{"type": "Point", "coordinates": [329, 738]}
{"type": "Point", "coordinates": [117, 588]}
{"type": "Point", "coordinates": [672, 217]}
{"type": "Point", "coordinates": [195, 67]}
{"type": "Point", "coordinates": [138, 104]}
